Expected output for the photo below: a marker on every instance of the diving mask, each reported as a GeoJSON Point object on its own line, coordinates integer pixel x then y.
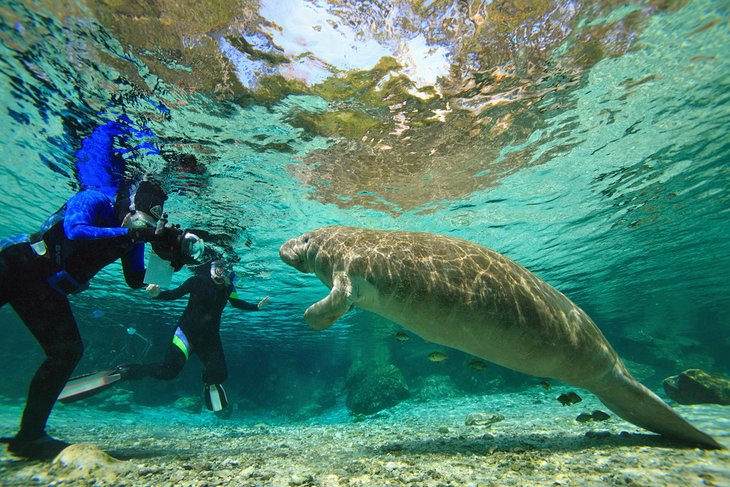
{"type": "Point", "coordinates": [218, 272]}
{"type": "Point", "coordinates": [192, 246]}
{"type": "Point", "coordinates": [138, 219]}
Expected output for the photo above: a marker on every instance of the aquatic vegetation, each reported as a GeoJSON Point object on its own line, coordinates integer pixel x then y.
{"type": "Point", "coordinates": [696, 386]}
{"type": "Point", "coordinates": [372, 389]}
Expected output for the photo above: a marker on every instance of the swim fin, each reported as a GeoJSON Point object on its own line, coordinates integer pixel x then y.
{"type": "Point", "coordinates": [215, 397]}
{"type": "Point", "coordinates": [41, 448]}
{"type": "Point", "coordinates": [88, 385]}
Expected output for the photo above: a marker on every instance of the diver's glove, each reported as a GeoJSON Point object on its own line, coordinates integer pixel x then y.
{"type": "Point", "coordinates": [143, 234]}
{"type": "Point", "coordinates": [153, 290]}
{"type": "Point", "coordinates": [263, 302]}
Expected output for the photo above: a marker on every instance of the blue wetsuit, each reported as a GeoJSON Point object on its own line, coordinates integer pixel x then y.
{"type": "Point", "coordinates": [80, 239]}
{"type": "Point", "coordinates": [198, 330]}
{"type": "Point", "coordinates": [100, 161]}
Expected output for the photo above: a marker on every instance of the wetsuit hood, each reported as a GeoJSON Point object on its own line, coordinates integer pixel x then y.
{"type": "Point", "coordinates": [147, 198]}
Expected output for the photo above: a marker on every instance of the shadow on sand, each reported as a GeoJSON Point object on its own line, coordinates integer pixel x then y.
{"type": "Point", "coordinates": [488, 444]}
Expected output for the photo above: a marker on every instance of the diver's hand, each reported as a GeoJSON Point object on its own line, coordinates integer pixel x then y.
{"type": "Point", "coordinates": [144, 234]}
{"type": "Point", "coordinates": [263, 302]}
{"type": "Point", "coordinates": [169, 235]}
{"type": "Point", "coordinates": [154, 290]}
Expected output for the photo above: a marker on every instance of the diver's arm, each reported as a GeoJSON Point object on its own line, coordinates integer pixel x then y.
{"type": "Point", "coordinates": [133, 266]}
{"type": "Point", "coordinates": [241, 304]}
{"type": "Point", "coordinates": [85, 211]}
{"type": "Point", "coordinates": [245, 305]}
{"type": "Point", "coordinates": [172, 294]}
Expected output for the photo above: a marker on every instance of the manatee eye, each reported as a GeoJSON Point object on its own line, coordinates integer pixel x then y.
{"type": "Point", "coordinates": [305, 239]}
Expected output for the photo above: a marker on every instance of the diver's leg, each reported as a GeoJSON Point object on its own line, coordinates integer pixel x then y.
{"type": "Point", "coordinates": [175, 359]}
{"type": "Point", "coordinates": [214, 361]}
{"type": "Point", "coordinates": [214, 373]}
{"type": "Point", "coordinates": [48, 316]}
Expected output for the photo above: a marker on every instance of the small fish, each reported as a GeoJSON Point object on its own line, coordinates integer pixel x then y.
{"type": "Point", "coordinates": [545, 385]}
{"type": "Point", "coordinates": [437, 356]}
{"type": "Point", "coordinates": [584, 418]}
{"type": "Point", "coordinates": [594, 416]}
{"type": "Point", "coordinates": [477, 365]}
{"type": "Point", "coordinates": [569, 398]}
{"type": "Point", "coordinates": [599, 416]}
{"type": "Point", "coordinates": [402, 337]}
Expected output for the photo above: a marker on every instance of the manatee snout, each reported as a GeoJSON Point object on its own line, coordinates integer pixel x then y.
{"type": "Point", "coordinates": [293, 253]}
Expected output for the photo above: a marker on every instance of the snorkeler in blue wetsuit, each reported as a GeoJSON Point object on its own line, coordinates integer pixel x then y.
{"type": "Point", "coordinates": [198, 331]}
{"type": "Point", "coordinates": [39, 271]}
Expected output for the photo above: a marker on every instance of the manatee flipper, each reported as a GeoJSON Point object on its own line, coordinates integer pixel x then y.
{"type": "Point", "coordinates": [323, 313]}
{"type": "Point", "coordinates": [635, 403]}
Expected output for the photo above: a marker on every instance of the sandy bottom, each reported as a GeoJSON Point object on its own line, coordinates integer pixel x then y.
{"type": "Point", "coordinates": [426, 444]}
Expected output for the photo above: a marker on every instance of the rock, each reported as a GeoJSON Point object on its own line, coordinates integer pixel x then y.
{"type": "Point", "coordinates": [437, 387]}
{"type": "Point", "coordinates": [224, 413]}
{"type": "Point", "coordinates": [370, 390]}
{"type": "Point", "coordinates": [307, 411]}
{"type": "Point", "coordinates": [483, 419]}
{"type": "Point", "coordinates": [189, 404]}
{"type": "Point", "coordinates": [695, 386]}
{"type": "Point", "coordinates": [84, 461]}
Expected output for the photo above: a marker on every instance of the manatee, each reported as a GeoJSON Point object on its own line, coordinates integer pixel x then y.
{"type": "Point", "coordinates": [456, 293]}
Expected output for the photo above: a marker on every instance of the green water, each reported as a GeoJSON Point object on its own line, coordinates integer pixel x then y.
{"type": "Point", "coordinates": [586, 141]}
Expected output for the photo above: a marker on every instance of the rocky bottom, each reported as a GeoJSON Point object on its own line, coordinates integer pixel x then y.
{"type": "Point", "coordinates": [506, 439]}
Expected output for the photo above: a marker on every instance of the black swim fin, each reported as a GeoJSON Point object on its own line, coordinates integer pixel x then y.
{"type": "Point", "coordinates": [215, 397]}
{"type": "Point", "coordinates": [83, 386]}
{"type": "Point", "coordinates": [42, 448]}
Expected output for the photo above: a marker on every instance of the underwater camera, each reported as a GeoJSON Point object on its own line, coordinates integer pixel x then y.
{"type": "Point", "coordinates": [177, 246]}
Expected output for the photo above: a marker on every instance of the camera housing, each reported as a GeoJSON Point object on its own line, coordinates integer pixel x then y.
{"type": "Point", "coordinates": [179, 247]}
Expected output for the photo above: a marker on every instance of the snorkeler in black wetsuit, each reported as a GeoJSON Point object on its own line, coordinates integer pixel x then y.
{"type": "Point", "coordinates": [37, 272]}
{"type": "Point", "coordinates": [197, 332]}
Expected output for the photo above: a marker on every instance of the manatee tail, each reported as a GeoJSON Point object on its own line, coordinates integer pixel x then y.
{"type": "Point", "coordinates": [632, 401]}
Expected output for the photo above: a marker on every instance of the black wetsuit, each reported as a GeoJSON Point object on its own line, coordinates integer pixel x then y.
{"type": "Point", "coordinates": [79, 240]}
{"type": "Point", "coordinates": [200, 327]}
